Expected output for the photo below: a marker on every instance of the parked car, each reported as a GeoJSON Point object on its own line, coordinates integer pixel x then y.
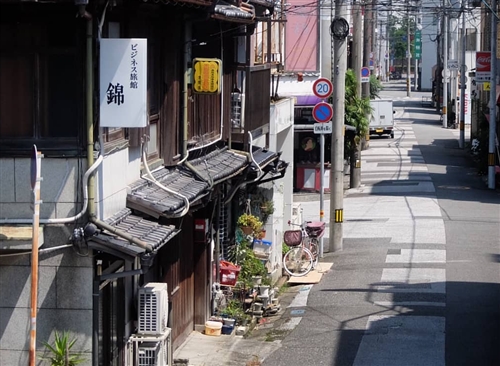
{"type": "Point", "coordinates": [395, 75]}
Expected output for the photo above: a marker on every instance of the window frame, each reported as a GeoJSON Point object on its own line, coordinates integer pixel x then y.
{"type": "Point", "coordinates": [39, 49]}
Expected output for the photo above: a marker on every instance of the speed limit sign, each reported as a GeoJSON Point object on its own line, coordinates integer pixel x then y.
{"type": "Point", "coordinates": [322, 88]}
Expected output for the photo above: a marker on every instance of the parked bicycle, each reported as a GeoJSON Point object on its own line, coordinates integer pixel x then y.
{"type": "Point", "coordinates": [304, 247]}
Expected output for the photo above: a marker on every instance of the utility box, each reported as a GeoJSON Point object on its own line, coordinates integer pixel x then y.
{"type": "Point", "coordinates": [382, 118]}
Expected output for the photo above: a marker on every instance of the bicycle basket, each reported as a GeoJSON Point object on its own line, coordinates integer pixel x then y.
{"type": "Point", "coordinates": [292, 237]}
{"type": "Point", "coordinates": [315, 229]}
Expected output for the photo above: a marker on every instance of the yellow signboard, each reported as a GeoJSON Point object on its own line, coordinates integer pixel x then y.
{"type": "Point", "coordinates": [486, 86]}
{"type": "Point", "coordinates": [207, 75]}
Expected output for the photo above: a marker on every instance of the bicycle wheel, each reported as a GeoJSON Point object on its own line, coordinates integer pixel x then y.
{"type": "Point", "coordinates": [298, 261]}
{"type": "Point", "coordinates": [314, 249]}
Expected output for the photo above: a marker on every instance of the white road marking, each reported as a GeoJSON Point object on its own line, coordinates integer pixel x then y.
{"type": "Point", "coordinates": [417, 256]}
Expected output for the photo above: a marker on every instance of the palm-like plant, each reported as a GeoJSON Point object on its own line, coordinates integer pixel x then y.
{"type": "Point", "coordinates": [61, 354]}
{"type": "Point", "coordinates": [357, 110]}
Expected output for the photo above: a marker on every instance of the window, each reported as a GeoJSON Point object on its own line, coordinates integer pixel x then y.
{"type": "Point", "coordinates": [471, 39]}
{"type": "Point", "coordinates": [41, 84]}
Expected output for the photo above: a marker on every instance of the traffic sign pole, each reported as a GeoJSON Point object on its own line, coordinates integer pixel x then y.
{"type": "Point", "coordinates": [322, 112]}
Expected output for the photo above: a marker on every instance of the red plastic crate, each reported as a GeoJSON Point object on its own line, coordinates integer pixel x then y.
{"type": "Point", "coordinates": [228, 273]}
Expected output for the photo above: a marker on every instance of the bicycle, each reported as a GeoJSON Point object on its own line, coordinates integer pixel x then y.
{"type": "Point", "coordinates": [312, 231]}
{"type": "Point", "coordinates": [303, 254]}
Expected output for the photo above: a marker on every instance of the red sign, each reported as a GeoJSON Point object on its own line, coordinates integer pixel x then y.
{"type": "Point", "coordinates": [483, 61]}
{"type": "Point", "coordinates": [322, 88]}
{"type": "Point", "coordinates": [322, 112]}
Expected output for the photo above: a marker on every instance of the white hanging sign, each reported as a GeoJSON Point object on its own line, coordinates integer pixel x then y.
{"type": "Point", "coordinates": [123, 82]}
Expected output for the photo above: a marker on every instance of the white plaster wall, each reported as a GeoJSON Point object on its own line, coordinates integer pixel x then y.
{"type": "Point", "coordinates": [289, 86]}
{"type": "Point", "coordinates": [116, 172]}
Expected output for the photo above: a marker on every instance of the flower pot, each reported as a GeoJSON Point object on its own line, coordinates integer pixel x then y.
{"type": "Point", "coordinates": [257, 280]}
{"type": "Point", "coordinates": [264, 291]}
{"type": "Point", "coordinates": [256, 307]}
{"type": "Point", "coordinates": [247, 230]}
{"type": "Point", "coordinates": [229, 321]}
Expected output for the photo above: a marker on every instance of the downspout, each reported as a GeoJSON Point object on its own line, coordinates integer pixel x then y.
{"type": "Point", "coordinates": [187, 78]}
{"type": "Point", "coordinates": [121, 234]}
{"type": "Point", "coordinates": [89, 75]}
{"type": "Point", "coordinates": [65, 220]}
{"type": "Point", "coordinates": [250, 139]}
{"type": "Point", "coordinates": [150, 178]}
{"type": "Point", "coordinates": [185, 92]}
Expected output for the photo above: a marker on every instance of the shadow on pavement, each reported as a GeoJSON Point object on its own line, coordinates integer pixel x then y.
{"type": "Point", "coordinates": [472, 329]}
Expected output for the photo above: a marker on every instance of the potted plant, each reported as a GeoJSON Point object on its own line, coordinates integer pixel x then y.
{"type": "Point", "coordinates": [266, 210]}
{"type": "Point", "coordinates": [61, 354]}
{"type": "Point", "coordinates": [249, 224]}
{"type": "Point", "coordinates": [233, 312]}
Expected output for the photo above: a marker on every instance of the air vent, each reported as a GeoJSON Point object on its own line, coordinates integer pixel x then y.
{"type": "Point", "coordinates": [153, 308]}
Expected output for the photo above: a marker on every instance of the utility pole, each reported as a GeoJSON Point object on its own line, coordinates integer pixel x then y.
{"type": "Point", "coordinates": [357, 49]}
{"type": "Point", "coordinates": [340, 31]}
{"type": "Point", "coordinates": [35, 185]}
{"type": "Point", "coordinates": [461, 142]}
{"type": "Point", "coordinates": [367, 44]}
{"type": "Point", "coordinates": [355, 166]}
{"type": "Point", "coordinates": [493, 102]}
{"type": "Point", "coordinates": [415, 88]}
{"type": "Point", "coordinates": [408, 51]}
{"type": "Point", "coordinates": [445, 67]}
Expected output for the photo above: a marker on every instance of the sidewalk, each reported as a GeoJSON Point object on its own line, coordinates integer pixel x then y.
{"type": "Point", "coordinates": [393, 264]}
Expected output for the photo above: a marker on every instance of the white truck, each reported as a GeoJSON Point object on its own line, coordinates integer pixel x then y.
{"type": "Point", "coordinates": [382, 118]}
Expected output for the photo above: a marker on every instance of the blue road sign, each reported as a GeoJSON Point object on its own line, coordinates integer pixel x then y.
{"type": "Point", "coordinates": [365, 74]}
{"type": "Point", "coordinates": [322, 112]}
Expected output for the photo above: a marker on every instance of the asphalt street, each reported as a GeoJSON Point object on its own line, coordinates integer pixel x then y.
{"type": "Point", "coordinates": [418, 279]}
{"type": "Point", "coordinates": [417, 282]}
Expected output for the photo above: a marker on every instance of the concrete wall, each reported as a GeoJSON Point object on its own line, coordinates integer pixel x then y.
{"type": "Point", "coordinates": [281, 139]}
{"type": "Point", "coordinates": [65, 279]}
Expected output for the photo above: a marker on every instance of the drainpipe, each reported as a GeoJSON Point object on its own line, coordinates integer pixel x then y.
{"type": "Point", "coordinates": [252, 159]}
{"type": "Point", "coordinates": [187, 78]}
{"type": "Point", "coordinates": [122, 234]}
{"type": "Point", "coordinates": [89, 76]}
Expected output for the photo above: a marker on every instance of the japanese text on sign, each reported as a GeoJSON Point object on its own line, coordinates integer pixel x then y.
{"type": "Point", "coordinates": [207, 74]}
{"type": "Point", "coordinates": [123, 93]}
{"type": "Point", "coordinates": [134, 80]}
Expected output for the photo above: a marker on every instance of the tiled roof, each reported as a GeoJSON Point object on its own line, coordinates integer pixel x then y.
{"type": "Point", "coordinates": [220, 164]}
{"type": "Point", "coordinates": [228, 10]}
{"type": "Point", "coordinates": [264, 157]}
{"type": "Point", "coordinates": [148, 231]}
{"type": "Point", "coordinates": [215, 167]}
{"type": "Point", "coordinates": [149, 198]}
{"type": "Point", "coordinates": [266, 3]}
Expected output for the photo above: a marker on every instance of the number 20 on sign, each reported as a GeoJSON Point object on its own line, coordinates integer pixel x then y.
{"type": "Point", "coordinates": [322, 88]}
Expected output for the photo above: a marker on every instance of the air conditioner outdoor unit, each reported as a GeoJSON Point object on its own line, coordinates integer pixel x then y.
{"type": "Point", "coordinates": [152, 354]}
{"type": "Point", "coordinates": [153, 308]}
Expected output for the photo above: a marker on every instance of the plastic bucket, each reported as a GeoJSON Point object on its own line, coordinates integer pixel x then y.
{"type": "Point", "coordinates": [213, 328]}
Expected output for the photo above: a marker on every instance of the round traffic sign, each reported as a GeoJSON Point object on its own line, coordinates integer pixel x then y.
{"type": "Point", "coordinates": [365, 72]}
{"type": "Point", "coordinates": [322, 88]}
{"type": "Point", "coordinates": [322, 112]}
